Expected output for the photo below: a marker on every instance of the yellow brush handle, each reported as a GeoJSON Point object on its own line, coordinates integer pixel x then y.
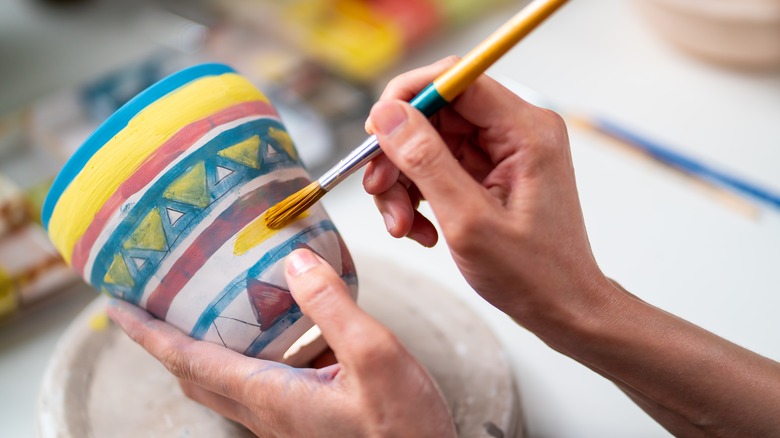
{"type": "Point", "coordinates": [456, 79]}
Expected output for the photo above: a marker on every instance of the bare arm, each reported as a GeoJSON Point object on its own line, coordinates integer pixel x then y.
{"type": "Point", "coordinates": [691, 381]}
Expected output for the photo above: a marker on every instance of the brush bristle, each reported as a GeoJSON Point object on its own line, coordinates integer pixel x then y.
{"type": "Point", "coordinates": [281, 214]}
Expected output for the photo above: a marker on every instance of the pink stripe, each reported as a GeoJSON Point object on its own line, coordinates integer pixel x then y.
{"type": "Point", "coordinates": [156, 163]}
{"type": "Point", "coordinates": [243, 211]}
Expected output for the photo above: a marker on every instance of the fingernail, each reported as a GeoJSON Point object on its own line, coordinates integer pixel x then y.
{"type": "Point", "coordinates": [387, 117]}
{"type": "Point", "coordinates": [389, 221]}
{"type": "Point", "coordinates": [116, 303]}
{"type": "Point", "coordinates": [116, 310]}
{"type": "Point", "coordinates": [302, 261]}
{"type": "Point", "coordinates": [423, 239]}
{"type": "Point", "coordinates": [368, 175]}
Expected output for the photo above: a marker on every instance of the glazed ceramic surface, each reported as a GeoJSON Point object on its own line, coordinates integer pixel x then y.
{"type": "Point", "coordinates": [163, 207]}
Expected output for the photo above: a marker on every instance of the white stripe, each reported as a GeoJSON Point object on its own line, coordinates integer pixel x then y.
{"type": "Point", "coordinates": [224, 266]}
{"type": "Point", "coordinates": [120, 213]}
{"type": "Point", "coordinates": [174, 254]}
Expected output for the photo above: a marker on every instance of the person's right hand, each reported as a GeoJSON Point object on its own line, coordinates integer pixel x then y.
{"type": "Point", "coordinates": [498, 174]}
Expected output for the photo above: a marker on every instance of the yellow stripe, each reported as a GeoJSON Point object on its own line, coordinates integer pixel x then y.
{"type": "Point", "coordinates": [255, 233]}
{"type": "Point", "coordinates": [121, 156]}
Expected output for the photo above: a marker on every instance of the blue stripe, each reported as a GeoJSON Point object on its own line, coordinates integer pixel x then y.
{"type": "Point", "coordinates": [119, 121]}
{"type": "Point", "coordinates": [152, 197]}
{"type": "Point", "coordinates": [267, 336]}
{"type": "Point", "coordinates": [238, 285]}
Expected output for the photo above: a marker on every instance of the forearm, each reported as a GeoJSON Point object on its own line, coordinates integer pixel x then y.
{"type": "Point", "coordinates": [687, 378]}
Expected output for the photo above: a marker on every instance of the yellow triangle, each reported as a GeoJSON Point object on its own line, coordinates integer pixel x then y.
{"type": "Point", "coordinates": [118, 273]}
{"type": "Point", "coordinates": [149, 234]}
{"type": "Point", "coordinates": [190, 188]}
{"type": "Point", "coordinates": [246, 153]}
{"type": "Point", "coordinates": [281, 136]}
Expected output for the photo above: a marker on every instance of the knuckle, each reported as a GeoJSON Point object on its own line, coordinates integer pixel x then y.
{"type": "Point", "coordinates": [176, 360]}
{"type": "Point", "coordinates": [548, 143]}
{"type": "Point", "coordinates": [476, 233]}
{"type": "Point", "coordinates": [553, 119]}
{"type": "Point", "coordinates": [554, 128]}
{"type": "Point", "coordinates": [378, 347]}
{"type": "Point", "coordinates": [397, 82]}
{"type": "Point", "coordinates": [449, 60]}
{"type": "Point", "coordinates": [420, 155]}
{"type": "Point", "coordinates": [173, 362]}
{"type": "Point", "coordinates": [465, 235]}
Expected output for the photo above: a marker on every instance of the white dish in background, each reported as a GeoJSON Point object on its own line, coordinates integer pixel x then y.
{"type": "Point", "coordinates": [742, 33]}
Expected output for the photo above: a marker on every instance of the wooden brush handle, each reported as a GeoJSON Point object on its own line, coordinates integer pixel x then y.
{"type": "Point", "coordinates": [452, 82]}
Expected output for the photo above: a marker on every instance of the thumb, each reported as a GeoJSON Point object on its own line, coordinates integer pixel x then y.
{"type": "Point", "coordinates": [417, 149]}
{"type": "Point", "coordinates": [323, 296]}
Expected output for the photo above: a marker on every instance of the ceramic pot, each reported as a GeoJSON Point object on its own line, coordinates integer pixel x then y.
{"type": "Point", "coordinates": [163, 207]}
{"type": "Point", "coordinates": [741, 33]}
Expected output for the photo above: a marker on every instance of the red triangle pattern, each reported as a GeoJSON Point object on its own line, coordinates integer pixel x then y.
{"type": "Point", "coordinates": [269, 302]}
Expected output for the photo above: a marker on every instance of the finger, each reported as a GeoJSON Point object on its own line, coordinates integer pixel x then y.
{"type": "Point", "coordinates": [423, 231]}
{"type": "Point", "coordinates": [406, 85]}
{"type": "Point", "coordinates": [218, 403]}
{"type": "Point", "coordinates": [485, 103]}
{"type": "Point", "coordinates": [211, 366]}
{"type": "Point", "coordinates": [504, 119]}
{"type": "Point", "coordinates": [324, 298]}
{"type": "Point", "coordinates": [482, 103]}
{"type": "Point", "coordinates": [397, 210]}
{"type": "Point", "coordinates": [409, 140]}
{"type": "Point", "coordinates": [398, 207]}
{"type": "Point", "coordinates": [380, 175]}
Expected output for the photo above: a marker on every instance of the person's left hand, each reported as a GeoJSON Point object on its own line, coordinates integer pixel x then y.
{"type": "Point", "coordinates": [375, 389]}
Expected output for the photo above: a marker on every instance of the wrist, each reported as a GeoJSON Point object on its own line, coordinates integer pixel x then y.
{"type": "Point", "coordinates": [578, 309]}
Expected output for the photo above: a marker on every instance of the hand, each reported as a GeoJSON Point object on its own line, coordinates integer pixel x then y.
{"type": "Point", "coordinates": [498, 174]}
{"type": "Point", "coordinates": [376, 388]}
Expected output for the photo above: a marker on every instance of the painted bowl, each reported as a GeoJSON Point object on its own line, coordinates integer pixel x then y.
{"type": "Point", "coordinates": [163, 207]}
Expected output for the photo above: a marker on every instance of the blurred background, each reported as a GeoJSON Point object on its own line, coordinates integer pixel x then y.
{"type": "Point", "coordinates": [69, 64]}
{"type": "Point", "coordinates": [701, 77]}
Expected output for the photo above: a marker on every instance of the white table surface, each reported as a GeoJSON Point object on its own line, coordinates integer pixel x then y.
{"type": "Point", "coordinates": [669, 242]}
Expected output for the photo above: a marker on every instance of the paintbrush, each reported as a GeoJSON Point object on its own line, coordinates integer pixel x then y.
{"type": "Point", "coordinates": [443, 90]}
{"type": "Point", "coordinates": [687, 164]}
